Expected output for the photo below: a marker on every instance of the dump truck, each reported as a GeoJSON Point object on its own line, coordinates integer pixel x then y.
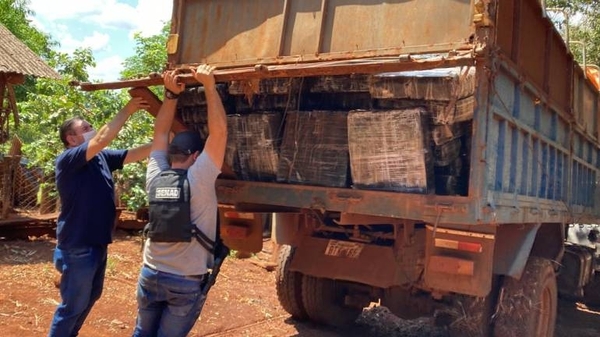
{"type": "Point", "coordinates": [437, 157]}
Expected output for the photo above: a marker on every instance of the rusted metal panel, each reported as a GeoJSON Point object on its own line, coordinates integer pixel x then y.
{"type": "Point", "coordinates": [532, 41]}
{"type": "Point", "coordinates": [366, 66]}
{"type": "Point", "coordinates": [589, 104]}
{"type": "Point", "coordinates": [236, 33]}
{"type": "Point", "coordinates": [559, 74]}
{"type": "Point", "coordinates": [578, 87]}
{"type": "Point", "coordinates": [429, 208]}
{"type": "Point", "coordinates": [536, 169]}
{"type": "Point", "coordinates": [373, 265]}
{"type": "Point", "coordinates": [506, 22]}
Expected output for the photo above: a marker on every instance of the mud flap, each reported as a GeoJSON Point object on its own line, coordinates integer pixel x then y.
{"type": "Point", "coordinates": [459, 261]}
{"type": "Point", "coordinates": [242, 231]}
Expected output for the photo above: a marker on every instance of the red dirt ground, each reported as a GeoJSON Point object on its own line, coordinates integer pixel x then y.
{"type": "Point", "coordinates": [242, 303]}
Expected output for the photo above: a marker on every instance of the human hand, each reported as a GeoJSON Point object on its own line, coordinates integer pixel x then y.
{"type": "Point", "coordinates": [135, 104]}
{"type": "Point", "coordinates": [204, 74]}
{"type": "Point", "coordinates": [172, 81]}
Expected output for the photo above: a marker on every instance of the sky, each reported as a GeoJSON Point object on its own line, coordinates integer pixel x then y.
{"type": "Point", "coordinates": [105, 26]}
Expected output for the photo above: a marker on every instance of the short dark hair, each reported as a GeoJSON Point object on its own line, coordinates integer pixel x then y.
{"type": "Point", "coordinates": [67, 127]}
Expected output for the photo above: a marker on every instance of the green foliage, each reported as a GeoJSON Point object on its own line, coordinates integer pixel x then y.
{"type": "Point", "coordinates": [150, 55]}
{"type": "Point", "coordinates": [13, 15]}
{"type": "Point", "coordinates": [132, 178]}
{"type": "Point", "coordinates": [44, 104]}
{"type": "Point", "coordinates": [584, 26]}
{"type": "Point", "coordinates": [53, 101]}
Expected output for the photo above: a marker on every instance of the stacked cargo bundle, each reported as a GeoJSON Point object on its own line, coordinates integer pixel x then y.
{"type": "Point", "coordinates": [191, 109]}
{"type": "Point", "coordinates": [389, 150]}
{"type": "Point", "coordinates": [448, 96]}
{"type": "Point", "coordinates": [253, 145]}
{"type": "Point", "coordinates": [314, 150]}
{"type": "Point", "coordinates": [341, 92]}
{"type": "Point", "coordinates": [266, 94]}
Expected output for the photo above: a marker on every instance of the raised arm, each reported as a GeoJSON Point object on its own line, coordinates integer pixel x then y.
{"type": "Point", "coordinates": [137, 153]}
{"type": "Point", "coordinates": [109, 131]}
{"type": "Point", "coordinates": [217, 121]}
{"type": "Point", "coordinates": [166, 113]}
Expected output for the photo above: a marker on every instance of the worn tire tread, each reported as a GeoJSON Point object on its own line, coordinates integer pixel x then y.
{"type": "Point", "coordinates": [517, 308]}
{"type": "Point", "coordinates": [289, 284]}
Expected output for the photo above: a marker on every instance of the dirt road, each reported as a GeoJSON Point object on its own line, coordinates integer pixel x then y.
{"type": "Point", "coordinates": [243, 302]}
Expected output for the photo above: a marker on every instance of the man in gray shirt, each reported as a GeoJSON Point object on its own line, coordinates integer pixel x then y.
{"type": "Point", "coordinates": [169, 288]}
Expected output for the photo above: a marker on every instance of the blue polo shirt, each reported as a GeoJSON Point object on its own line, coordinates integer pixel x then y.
{"type": "Point", "coordinates": [86, 191]}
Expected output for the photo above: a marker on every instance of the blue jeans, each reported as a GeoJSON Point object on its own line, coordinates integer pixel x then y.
{"type": "Point", "coordinates": [168, 304]}
{"type": "Point", "coordinates": [81, 285]}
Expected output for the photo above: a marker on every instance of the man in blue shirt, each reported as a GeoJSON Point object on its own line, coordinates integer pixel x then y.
{"type": "Point", "coordinates": [86, 189]}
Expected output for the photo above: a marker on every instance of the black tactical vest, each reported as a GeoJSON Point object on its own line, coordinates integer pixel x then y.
{"type": "Point", "coordinates": [169, 210]}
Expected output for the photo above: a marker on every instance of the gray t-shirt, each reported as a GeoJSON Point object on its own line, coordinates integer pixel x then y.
{"type": "Point", "coordinates": [187, 258]}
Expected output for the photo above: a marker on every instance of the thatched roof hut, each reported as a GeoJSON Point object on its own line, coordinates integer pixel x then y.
{"type": "Point", "coordinates": [16, 62]}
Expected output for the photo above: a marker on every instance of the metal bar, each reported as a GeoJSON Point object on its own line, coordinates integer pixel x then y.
{"type": "Point", "coordinates": [175, 28]}
{"type": "Point", "coordinates": [295, 70]}
{"type": "Point", "coordinates": [324, 5]}
{"type": "Point", "coordinates": [419, 207]}
{"type": "Point", "coordinates": [516, 32]}
{"type": "Point", "coordinates": [286, 13]}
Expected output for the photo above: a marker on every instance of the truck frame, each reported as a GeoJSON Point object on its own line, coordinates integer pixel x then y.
{"type": "Point", "coordinates": [492, 259]}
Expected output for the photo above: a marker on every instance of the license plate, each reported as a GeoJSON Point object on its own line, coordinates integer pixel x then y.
{"type": "Point", "coordinates": [347, 249]}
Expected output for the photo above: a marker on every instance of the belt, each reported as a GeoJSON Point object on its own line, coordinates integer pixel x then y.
{"type": "Point", "coordinates": [198, 277]}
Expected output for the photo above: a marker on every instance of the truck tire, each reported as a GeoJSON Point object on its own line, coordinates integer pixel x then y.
{"type": "Point", "coordinates": [470, 316]}
{"type": "Point", "coordinates": [324, 302]}
{"type": "Point", "coordinates": [591, 292]}
{"type": "Point", "coordinates": [527, 307]}
{"type": "Point", "coordinates": [289, 284]}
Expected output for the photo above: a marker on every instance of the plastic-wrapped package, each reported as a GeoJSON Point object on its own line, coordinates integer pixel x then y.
{"type": "Point", "coordinates": [443, 84]}
{"type": "Point", "coordinates": [262, 102]}
{"type": "Point", "coordinates": [314, 150]}
{"type": "Point", "coordinates": [268, 86]}
{"type": "Point", "coordinates": [440, 112]}
{"type": "Point", "coordinates": [447, 152]}
{"type": "Point", "coordinates": [253, 145]}
{"type": "Point", "coordinates": [341, 83]}
{"type": "Point", "coordinates": [389, 150]}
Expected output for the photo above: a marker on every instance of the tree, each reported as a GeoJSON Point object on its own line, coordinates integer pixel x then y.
{"type": "Point", "coordinates": [54, 101]}
{"type": "Point", "coordinates": [13, 15]}
{"type": "Point", "coordinates": [584, 26]}
{"type": "Point", "coordinates": [150, 55]}
{"type": "Point", "coordinates": [44, 104]}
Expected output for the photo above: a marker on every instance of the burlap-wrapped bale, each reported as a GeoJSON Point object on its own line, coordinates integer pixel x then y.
{"type": "Point", "coordinates": [440, 112]}
{"type": "Point", "coordinates": [314, 150]}
{"type": "Point", "coordinates": [341, 83]}
{"type": "Point", "coordinates": [253, 145]}
{"type": "Point", "coordinates": [267, 86]}
{"type": "Point", "coordinates": [389, 150]}
{"type": "Point", "coordinates": [261, 102]}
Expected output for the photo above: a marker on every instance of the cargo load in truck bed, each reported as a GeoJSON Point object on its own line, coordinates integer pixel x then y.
{"type": "Point", "coordinates": [402, 131]}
